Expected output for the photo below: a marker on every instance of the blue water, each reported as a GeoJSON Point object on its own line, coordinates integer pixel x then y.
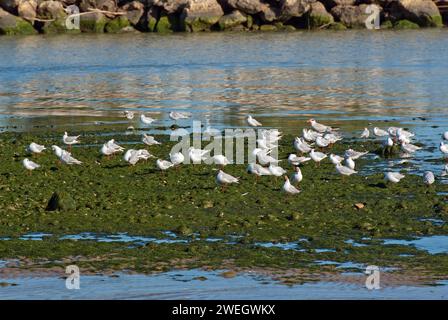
{"type": "Point", "coordinates": [186, 285]}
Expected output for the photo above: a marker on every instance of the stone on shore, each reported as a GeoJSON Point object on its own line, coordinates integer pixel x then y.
{"type": "Point", "coordinates": [246, 6]}
{"type": "Point", "coordinates": [60, 201]}
{"type": "Point", "coordinates": [318, 16]}
{"type": "Point", "coordinates": [104, 5]}
{"type": "Point", "coordinates": [93, 22]}
{"type": "Point", "coordinates": [171, 6]}
{"type": "Point", "coordinates": [12, 25]}
{"type": "Point", "coordinates": [350, 16]}
{"type": "Point", "coordinates": [168, 23]}
{"type": "Point", "coordinates": [294, 8]}
{"type": "Point", "coordinates": [52, 10]}
{"type": "Point", "coordinates": [119, 25]}
{"type": "Point", "coordinates": [201, 15]}
{"type": "Point", "coordinates": [10, 5]}
{"type": "Point", "coordinates": [422, 12]}
{"type": "Point", "coordinates": [406, 24]}
{"type": "Point", "coordinates": [232, 21]}
{"type": "Point", "coordinates": [151, 18]}
{"type": "Point", "coordinates": [134, 11]}
{"type": "Point", "coordinates": [329, 4]}
{"type": "Point", "coordinates": [27, 10]}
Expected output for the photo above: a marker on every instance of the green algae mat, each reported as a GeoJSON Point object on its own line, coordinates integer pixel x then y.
{"type": "Point", "coordinates": [117, 217]}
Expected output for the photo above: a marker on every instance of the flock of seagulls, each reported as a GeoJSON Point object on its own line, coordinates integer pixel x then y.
{"type": "Point", "coordinates": [313, 145]}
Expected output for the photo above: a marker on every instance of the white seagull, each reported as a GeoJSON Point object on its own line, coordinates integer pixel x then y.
{"type": "Point", "coordinates": [428, 178]}
{"type": "Point", "coordinates": [69, 140]}
{"type": "Point", "coordinates": [380, 132]}
{"type": "Point", "coordinates": [297, 176]}
{"type": "Point", "coordinates": [317, 156]}
{"type": "Point", "coordinates": [197, 155]}
{"type": "Point", "coordinates": [220, 160]}
{"type": "Point", "coordinates": [177, 158]}
{"type": "Point", "coordinates": [289, 188]}
{"type": "Point", "coordinates": [223, 179]}
{"type": "Point", "coordinates": [59, 152]}
{"type": "Point", "coordinates": [35, 148]}
{"type": "Point", "coordinates": [349, 163]}
{"type": "Point", "coordinates": [365, 134]}
{"type": "Point", "coordinates": [174, 115]}
{"type": "Point", "coordinates": [322, 142]}
{"type": "Point", "coordinates": [263, 157]}
{"type": "Point", "coordinates": [149, 140]}
{"type": "Point", "coordinates": [443, 147]}
{"type": "Point", "coordinates": [146, 120]}
{"type": "Point", "coordinates": [310, 135]}
{"type": "Point", "coordinates": [445, 171]}
{"type": "Point", "coordinates": [276, 170]}
{"type": "Point", "coordinates": [332, 137]}
{"type": "Point", "coordinates": [335, 159]}
{"type": "Point", "coordinates": [355, 155]}
{"type": "Point", "coordinates": [345, 171]}
{"type": "Point", "coordinates": [409, 148]}
{"type": "Point", "coordinates": [252, 122]}
{"type": "Point", "coordinates": [445, 135]}
{"type": "Point", "coordinates": [68, 159]}
{"type": "Point", "coordinates": [258, 170]}
{"type": "Point", "coordinates": [393, 177]}
{"type": "Point", "coordinates": [301, 145]}
{"type": "Point", "coordinates": [133, 156]}
{"type": "Point", "coordinates": [30, 165]}
{"type": "Point", "coordinates": [294, 160]}
{"type": "Point", "coordinates": [319, 127]}
{"type": "Point", "coordinates": [163, 164]}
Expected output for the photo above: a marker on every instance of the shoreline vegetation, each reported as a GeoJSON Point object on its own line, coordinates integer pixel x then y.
{"type": "Point", "coordinates": [26, 17]}
{"type": "Point", "coordinates": [182, 220]}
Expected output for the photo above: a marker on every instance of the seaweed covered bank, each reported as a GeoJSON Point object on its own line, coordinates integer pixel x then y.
{"type": "Point", "coordinates": [164, 16]}
{"type": "Point", "coordinates": [116, 217]}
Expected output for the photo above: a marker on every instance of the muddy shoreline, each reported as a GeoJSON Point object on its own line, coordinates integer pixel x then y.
{"type": "Point", "coordinates": [122, 217]}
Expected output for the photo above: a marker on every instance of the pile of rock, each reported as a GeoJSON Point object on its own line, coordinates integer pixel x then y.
{"type": "Point", "coordinates": [163, 16]}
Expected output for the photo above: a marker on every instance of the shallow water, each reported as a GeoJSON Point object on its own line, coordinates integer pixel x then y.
{"type": "Point", "coordinates": [347, 79]}
{"type": "Point", "coordinates": [186, 285]}
{"type": "Point", "coordinates": [433, 244]}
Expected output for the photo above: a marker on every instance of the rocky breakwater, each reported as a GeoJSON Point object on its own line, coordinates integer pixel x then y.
{"type": "Point", "coordinates": [24, 17]}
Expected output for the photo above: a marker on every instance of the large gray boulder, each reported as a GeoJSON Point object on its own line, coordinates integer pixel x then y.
{"type": "Point", "coordinates": [201, 15]}
{"type": "Point", "coordinates": [134, 11]}
{"type": "Point", "coordinates": [12, 25]}
{"type": "Point", "coordinates": [104, 5]}
{"type": "Point", "coordinates": [93, 22]}
{"type": "Point", "coordinates": [318, 16]}
{"type": "Point", "coordinates": [10, 5]}
{"type": "Point", "coordinates": [27, 10]}
{"type": "Point", "coordinates": [170, 6]}
{"type": "Point", "coordinates": [232, 21]}
{"type": "Point", "coordinates": [329, 4]}
{"type": "Point", "coordinates": [423, 12]}
{"type": "Point", "coordinates": [247, 6]}
{"type": "Point", "coordinates": [266, 11]}
{"type": "Point", "coordinates": [51, 10]}
{"type": "Point", "coordinates": [351, 16]}
{"type": "Point", "coordinates": [294, 8]}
